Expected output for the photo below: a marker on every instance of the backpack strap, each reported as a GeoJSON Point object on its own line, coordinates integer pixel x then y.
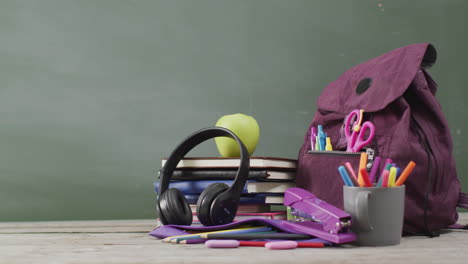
{"type": "Point", "coordinates": [462, 203]}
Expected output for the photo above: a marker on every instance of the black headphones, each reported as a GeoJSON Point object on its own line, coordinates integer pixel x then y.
{"type": "Point", "coordinates": [218, 203]}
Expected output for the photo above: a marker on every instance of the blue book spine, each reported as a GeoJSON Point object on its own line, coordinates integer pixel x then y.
{"type": "Point", "coordinates": [258, 198]}
{"type": "Point", "coordinates": [194, 187]}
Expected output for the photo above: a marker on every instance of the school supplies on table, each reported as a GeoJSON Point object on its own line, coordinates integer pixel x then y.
{"type": "Point", "coordinates": [387, 179]}
{"type": "Point", "coordinates": [165, 231]}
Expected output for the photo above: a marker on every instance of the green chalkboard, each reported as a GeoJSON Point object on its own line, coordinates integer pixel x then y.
{"type": "Point", "coordinates": [93, 93]}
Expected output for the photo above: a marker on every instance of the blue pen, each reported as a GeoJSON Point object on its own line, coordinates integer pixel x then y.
{"type": "Point", "coordinates": [398, 172]}
{"type": "Point", "coordinates": [321, 136]}
{"type": "Point", "coordinates": [345, 176]}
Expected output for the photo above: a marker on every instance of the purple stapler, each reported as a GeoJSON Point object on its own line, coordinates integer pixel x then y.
{"type": "Point", "coordinates": [316, 217]}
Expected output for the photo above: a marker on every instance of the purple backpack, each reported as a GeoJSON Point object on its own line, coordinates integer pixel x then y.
{"type": "Point", "coordinates": [397, 95]}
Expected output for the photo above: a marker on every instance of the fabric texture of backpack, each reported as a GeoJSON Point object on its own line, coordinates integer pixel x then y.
{"type": "Point", "coordinates": [398, 96]}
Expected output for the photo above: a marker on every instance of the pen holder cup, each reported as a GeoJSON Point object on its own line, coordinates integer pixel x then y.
{"type": "Point", "coordinates": [377, 214]}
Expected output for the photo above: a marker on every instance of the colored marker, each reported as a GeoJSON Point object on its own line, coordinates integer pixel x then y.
{"type": "Point", "coordinates": [350, 170]}
{"type": "Point", "coordinates": [352, 175]}
{"type": "Point", "coordinates": [321, 137]}
{"type": "Point", "coordinates": [317, 145]}
{"type": "Point", "coordinates": [398, 173]}
{"type": "Point", "coordinates": [345, 176]}
{"type": "Point", "coordinates": [406, 172]}
{"type": "Point", "coordinates": [379, 183]}
{"type": "Point", "coordinates": [385, 178]}
{"type": "Point", "coordinates": [375, 168]}
{"type": "Point", "coordinates": [392, 177]}
{"type": "Point", "coordinates": [362, 164]}
{"type": "Point", "coordinates": [313, 135]}
{"type": "Point", "coordinates": [386, 168]}
{"type": "Point", "coordinates": [388, 160]}
{"type": "Point", "coordinates": [328, 146]}
{"type": "Point", "coordinates": [365, 178]}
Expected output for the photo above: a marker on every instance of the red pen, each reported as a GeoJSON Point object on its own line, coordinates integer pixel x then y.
{"type": "Point", "coordinates": [262, 244]}
{"type": "Point", "coordinates": [365, 178]}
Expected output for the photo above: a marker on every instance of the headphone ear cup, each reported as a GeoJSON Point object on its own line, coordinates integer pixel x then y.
{"type": "Point", "coordinates": [205, 201]}
{"type": "Point", "coordinates": [174, 208]}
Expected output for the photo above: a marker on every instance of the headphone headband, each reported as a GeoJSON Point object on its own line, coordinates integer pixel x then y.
{"type": "Point", "coordinates": [192, 141]}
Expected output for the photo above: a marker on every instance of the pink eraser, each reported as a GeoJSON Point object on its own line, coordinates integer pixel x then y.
{"type": "Point", "coordinates": [281, 245]}
{"type": "Point", "coordinates": [222, 243]}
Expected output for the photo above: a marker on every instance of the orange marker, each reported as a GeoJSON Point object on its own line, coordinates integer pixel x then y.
{"type": "Point", "coordinates": [362, 165]}
{"type": "Point", "coordinates": [406, 172]}
{"type": "Point", "coordinates": [365, 178]}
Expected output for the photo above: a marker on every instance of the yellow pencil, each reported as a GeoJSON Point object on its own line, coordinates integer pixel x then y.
{"type": "Point", "coordinates": [252, 229]}
{"type": "Point", "coordinates": [362, 165]}
{"type": "Point", "coordinates": [392, 177]}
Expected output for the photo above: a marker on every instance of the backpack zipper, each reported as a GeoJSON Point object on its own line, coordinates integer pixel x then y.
{"type": "Point", "coordinates": [430, 156]}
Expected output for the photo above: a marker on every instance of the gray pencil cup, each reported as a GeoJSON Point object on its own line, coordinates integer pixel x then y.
{"type": "Point", "coordinates": [377, 214]}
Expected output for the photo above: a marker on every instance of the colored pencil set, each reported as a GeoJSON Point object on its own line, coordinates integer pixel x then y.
{"type": "Point", "coordinates": [390, 176]}
{"type": "Point", "coordinates": [242, 236]}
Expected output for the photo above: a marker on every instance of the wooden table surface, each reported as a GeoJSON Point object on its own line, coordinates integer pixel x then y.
{"type": "Point", "coordinates": [127, 241]}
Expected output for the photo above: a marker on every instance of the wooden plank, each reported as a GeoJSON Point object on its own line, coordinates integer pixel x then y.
{"type": "Point", "coordinates": [78, 226]}
{"type": "Point", "coordinates": [68, 247]}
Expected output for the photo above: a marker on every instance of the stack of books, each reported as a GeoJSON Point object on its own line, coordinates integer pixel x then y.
{"type": "Point", "coordinates": [263, 194]}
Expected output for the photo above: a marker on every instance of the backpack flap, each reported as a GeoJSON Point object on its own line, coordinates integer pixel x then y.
{"type": "Point", "coordinates": [385, 77]}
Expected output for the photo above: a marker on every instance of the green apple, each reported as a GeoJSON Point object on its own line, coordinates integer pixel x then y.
{"type": "Point", "coordinates": [245, 127]}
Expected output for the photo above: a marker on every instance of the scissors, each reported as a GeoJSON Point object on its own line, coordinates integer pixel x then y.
{"type": "Point", "coordinates": [355, 132]}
